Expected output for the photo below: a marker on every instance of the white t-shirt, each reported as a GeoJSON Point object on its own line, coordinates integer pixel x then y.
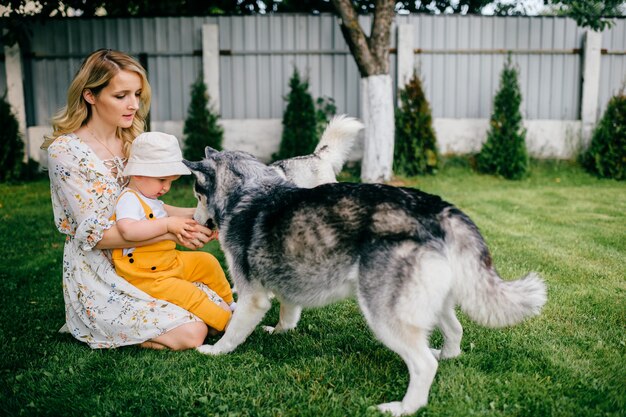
{"type": "Point", "coordinates": [129, 207]}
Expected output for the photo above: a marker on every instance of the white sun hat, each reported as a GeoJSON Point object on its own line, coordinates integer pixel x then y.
{"type": "Point", "coordinates": [155, 154]}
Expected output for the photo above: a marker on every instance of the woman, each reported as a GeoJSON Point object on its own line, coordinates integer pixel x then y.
{"type": "Point", "coordinates": [107, 104]}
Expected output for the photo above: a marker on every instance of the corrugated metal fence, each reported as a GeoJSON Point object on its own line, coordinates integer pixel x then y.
{"type": "Point", "coordinates": [613, 64]}
{"type": "Point", "coordinates": [461, 58]}
{"type": "Point", "coordinates": [458, 57]}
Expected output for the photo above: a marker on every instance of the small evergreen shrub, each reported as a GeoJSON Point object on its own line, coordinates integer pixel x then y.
{"type": "Point", "coordinates": [31, 171]}
{"type": "Point", "coordinates": [504, 153]}
{"type": "Point", "coordinates": [415, 149]}
{"type": "Point", "coordinates": [11, 144]}
{"type": "Point", "coordinates": [299, 121]}
{"type": "Point", "coordinates": [606, 156]}
{"type": "Point", "coordinates": [201, 127]}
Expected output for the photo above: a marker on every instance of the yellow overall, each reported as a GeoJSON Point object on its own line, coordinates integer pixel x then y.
{"type": "Point", "coordinates": [168, 274]}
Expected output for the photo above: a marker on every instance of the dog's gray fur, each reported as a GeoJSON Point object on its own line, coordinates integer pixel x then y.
{"type": "Point", "coordinates": [409, 257]}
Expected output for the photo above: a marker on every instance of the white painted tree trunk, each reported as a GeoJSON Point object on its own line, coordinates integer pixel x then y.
{"type": "Point", "coordinates": [378, 115]}
{"type": "Point", "coordinates": [15, 91]}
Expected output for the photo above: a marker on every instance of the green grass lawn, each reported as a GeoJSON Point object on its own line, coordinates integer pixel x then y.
{"type": "Point", "coordinates": [569, 361]}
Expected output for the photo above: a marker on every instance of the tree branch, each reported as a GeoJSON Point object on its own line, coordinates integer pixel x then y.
{"type": "Point", "coordinates": [381, 33]}
{"type": "Point", "coordinates": [354, 36]}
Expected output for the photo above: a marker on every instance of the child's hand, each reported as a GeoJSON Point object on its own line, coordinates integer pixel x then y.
{"type": "Point", "coordinates": [214, 235]}
{"type": "Point", "coordinates": [181, 227]}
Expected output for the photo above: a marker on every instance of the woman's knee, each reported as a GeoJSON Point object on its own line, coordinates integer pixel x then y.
{"type": "Point", "coordinates": [193, 335]}
{"type": "Point", "coordinates": [197, 332]}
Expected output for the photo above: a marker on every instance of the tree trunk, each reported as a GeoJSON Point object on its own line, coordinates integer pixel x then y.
{"type": "Point", "coordinates": [372, 58]}
{"type": "Point", "coordinates": [377, 111]}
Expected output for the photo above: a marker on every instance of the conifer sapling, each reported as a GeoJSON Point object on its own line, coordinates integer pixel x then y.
{"type": "Point", "coordinates": [415, 149]}
{"type": "Point", "coordinates": [606, 156]}
{"type": "Point", "coordinates": [201, 126]}
{"type": "Point", "coordinates": [11, 144]}
{"type": "Point", "coordinates": [504, 153]}
{"type": "Point", "coordinates": [299, 121]}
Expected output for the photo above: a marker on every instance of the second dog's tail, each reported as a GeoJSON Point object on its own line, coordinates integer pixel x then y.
{"type": "Point", "coordinates": [337, 140]}
{"type": "Point", "coordinates": [478, 289]}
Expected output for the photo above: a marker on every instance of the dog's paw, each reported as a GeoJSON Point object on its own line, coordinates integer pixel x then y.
{"type": "Point", "coordinates": [395, 408]}
{"type": "Point", "coordinates": [278, 329]}
{"type": "Point", "coordinates": [436, 353]}
{"type": "Point", "coordinates": [208, 350]}
{"type": "Point", "coordinates": [444, 353]}
{"type": "Point", "coordinates": [450, 353]}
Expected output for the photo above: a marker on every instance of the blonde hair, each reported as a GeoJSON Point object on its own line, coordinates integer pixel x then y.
{"type": "Point", "coordinates": [95, 73]}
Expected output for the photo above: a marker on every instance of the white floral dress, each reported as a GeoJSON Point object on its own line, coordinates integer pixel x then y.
{"type": "Point", "coordinates": [101, 308]}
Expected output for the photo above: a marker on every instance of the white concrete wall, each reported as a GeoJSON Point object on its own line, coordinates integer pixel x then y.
{"type": "Point", "coordinates": [547, 139]}
{"type": "Point", "coordinates": [553, 139]}
{"type": "Point", "coordinates": [260, 137]}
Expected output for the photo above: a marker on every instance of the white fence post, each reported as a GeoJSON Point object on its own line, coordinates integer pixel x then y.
{"type": "Point", "coordinates": [591, 84]}
{"type": "Point", "coordinates": [15, 90]}
{"type": "Point", "coordinates": [406, 57]}
{"type": "Point", "coordinates": [211, 63]}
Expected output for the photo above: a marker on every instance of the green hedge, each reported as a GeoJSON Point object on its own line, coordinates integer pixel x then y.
{"type": "Point", "coordinates": [299, 121]}
{"type": "Point", "coordinates": [415, 150]}
{"type": "Point", "coordinates": [201, 127]}
{"type": "Point", "coordinates": [504, 153]}
{"type": "Point", "coordinates": [606, 156]}
{"type": "Point", "coordinates": [11, 144]}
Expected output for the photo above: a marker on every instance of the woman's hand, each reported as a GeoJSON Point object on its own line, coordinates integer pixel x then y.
{"type": "Point", "coordinates": [211, 234]}
{"type": "Point", "coordinates": [196, 242]}
{"type": "Point", "coordinates": [201, 235]}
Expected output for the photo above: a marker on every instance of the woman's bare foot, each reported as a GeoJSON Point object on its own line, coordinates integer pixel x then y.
{"type": "Point", "coordinates": [152, 345]}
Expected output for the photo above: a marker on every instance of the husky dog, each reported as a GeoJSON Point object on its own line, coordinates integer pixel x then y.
{"type": "Point", "coordinates": [326, 161]}
{"type": "Point", "coordinates": [323, 165]}
{"type": "Point", "coordinates": [409, 257]}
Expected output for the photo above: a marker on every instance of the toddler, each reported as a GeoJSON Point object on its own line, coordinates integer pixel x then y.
{"type": "Point", "coordinates": [159, 269]}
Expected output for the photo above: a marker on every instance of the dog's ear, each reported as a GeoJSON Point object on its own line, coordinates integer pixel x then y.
{"type": "Point", "coordinates": [208, 151]}
{"type": "Point", "coordinates": [193, 166]}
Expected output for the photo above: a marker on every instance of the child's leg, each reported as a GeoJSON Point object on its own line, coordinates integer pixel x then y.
{"type": "Point", "coordinates": [203, 267]}
{"type": "Point", "coordinates": [186, 295]}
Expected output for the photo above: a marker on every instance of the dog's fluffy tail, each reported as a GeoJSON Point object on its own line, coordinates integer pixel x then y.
{"type": "Point", "coordinates": [492, 302]}
{"type": "Point", "coordinates": [479, 290]}
{"type": "Point", "coordinates": [337, 140]}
